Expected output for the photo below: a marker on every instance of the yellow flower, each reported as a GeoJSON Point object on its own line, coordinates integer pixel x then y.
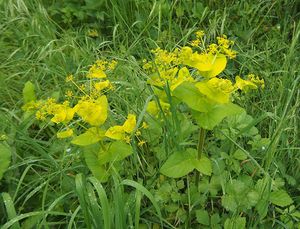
{"type": "Point", "coordinates": [61, 112]}
{"type": "Point", "coordinates": [112, 65]}
{"type": "Point", "coordinates": [96, 72]}
{"type": "Point", "coordinates": [153, 108]}
{"type": "Point", "coordinates": [92, 111]}
{"type": "Point", "coordinates": [65, 134]}
{"type": "Point", "coordinates": [244, 84]}
{"type": "Point", "coordinates": [69, 93]}
{"type": "Point", "coordinates": [99, 86]}
{"type": "Point", "coordinates": [116, 132]}
{"type": "Point", "coordinates": [93, 33]}
{"type": "Point", "coordinates": [130, 123]}
{"type": "Point", "coordinates": [69, 78]}
{"type": "Point", "coordinates": [200, 34]}
{"type": "Point", "coordinates": [217, 90]}
{"type": "Point", "coordinates": [145, 125]}
{"type": "Point", "coordinates": [183, 76]}
{"type": "Point", "coordinates": [141, 143]}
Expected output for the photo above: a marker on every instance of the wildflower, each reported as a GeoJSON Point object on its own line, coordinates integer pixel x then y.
{"type": "Point", "coordinates": [69, 78]}
{"type": "Point", "coordinates": [244, 84]}
{"type": "Point", "coordinates": [130, 123]}
{"type": "Point", "coordinates": [65, 134]}
{"type": "Point", "coordinates": [217, 90]}
{"type": "Point", "coordinates": [112, 65]}
{"type": "Point", "coordinates": [99, 86]}
{"type": "Point", "coordinates": [69, 93]}
{"type": "Point", "coordinates": [200, 34]}
{"type": "Point", "coordinates": [145, 125]}
{"type": "Point", "coordinates": [153, 108]}
{"type": "Point", "coordinates": [96, 71]}
{"type": "Point", "coordinates": [93, 111]}
{"type": "Point", "coordinates": [92, 33]}
{"type": "Point", "coordinates": [39, 115]}
{"type": "Point", "coordinates": [195, 43]}
{"type": "Point", "coordinates": [256, 80]}
{"type": "Point", "coordinates": [115, 132]}
{"type": "Point", "coordinates": [141, 143]}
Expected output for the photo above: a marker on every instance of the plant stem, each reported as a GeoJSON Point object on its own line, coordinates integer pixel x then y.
{"type": "Point", "coordinates": [200, 150]}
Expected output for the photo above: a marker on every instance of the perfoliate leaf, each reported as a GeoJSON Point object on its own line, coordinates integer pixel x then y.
{"type": "Point", "coordinates": [91, 136]}
{"type": "Point", "coordinates": [189, 94]}
{"type": "Point", "coordinates": [203, 165]}
{"type": "Point", "coordinates": [5, 155]}
{"type": "Point", "coordinates": [179, 163]}
{"type": "Point", "coordinates": [28, 92]}
{"type": "Point", "coordinates": [219, 64]}
{"type": "Point", "coordinates": [116, 151]}
{"type": "Point", "coordinates": [280, 198]}
{"type": "Point", "coordinates": [216, 114]}
{"type": "Point", "coordinates": [91, 156]}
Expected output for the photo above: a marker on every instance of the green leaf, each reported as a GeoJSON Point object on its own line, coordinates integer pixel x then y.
{"type": "Point", "coordinates": [91, 156]}
{"type": "Point", "coordinates": [189, 94]}
{"type": "Point", "coordinates": [203, 165]}
{"type": "Point", "coordinates": [240, 155]}
{"type": "Point", "coordinates": [28, 92]}
{"type": "Point", "coordinates": [179, 163]}
{"type": "Point", "coordinates": [235, 223]}
{"type": "Point", "coordinates": [91, 136]}
{"type": "Point", "coordinates": [228, 202]}
{"type": "Point", "coordinates": [216, 114]}
{"type": "Point", "coordinates": [5, 156]}
{"type": "Point", "coordinates": [116, 151]}
{"type": "Point", "coordinates": [202, 217]}
{"type": "Point", "coordinates": [280, 198]}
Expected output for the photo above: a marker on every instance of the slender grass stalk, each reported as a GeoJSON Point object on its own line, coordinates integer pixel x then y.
{"type": "Point", "coordinates": [201, 141]}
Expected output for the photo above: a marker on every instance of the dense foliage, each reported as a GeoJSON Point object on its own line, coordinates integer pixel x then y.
{"type": "Point", "coordinates": [144, 114]}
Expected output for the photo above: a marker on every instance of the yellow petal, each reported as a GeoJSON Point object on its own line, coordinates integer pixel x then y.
{"type": "Point", "coordinates": [217, 90]}
{"type": "Point", "coordinates": [130, 123]}
{"type": "Point", "coordinates": [244, 84]}
{"type": "Point", "coordinates": [115, 132]}
{"type": "Point", "coordinates": [218, 65]}
{"type": "Point", "coordinates": [93, 112]}
{"type": "Point", "coordinates": [65, 134]}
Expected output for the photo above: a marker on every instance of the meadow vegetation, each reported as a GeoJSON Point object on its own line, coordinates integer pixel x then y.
{"type": "Point", "coordinates": [149, 114]}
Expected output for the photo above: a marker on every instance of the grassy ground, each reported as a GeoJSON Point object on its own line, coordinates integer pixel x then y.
{"type": "Point", "coordinates": [43, 42]}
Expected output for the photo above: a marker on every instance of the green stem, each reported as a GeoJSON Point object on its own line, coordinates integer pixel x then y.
{"type": "Point", "coordinates": [200, 150]}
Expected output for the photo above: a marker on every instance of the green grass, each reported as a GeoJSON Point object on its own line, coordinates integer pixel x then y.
{"type": "Point", "coordinates": [47, 184]}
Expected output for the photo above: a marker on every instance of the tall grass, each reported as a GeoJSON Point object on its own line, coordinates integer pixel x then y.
{"type": "Point", "coordinates": [46, 185]}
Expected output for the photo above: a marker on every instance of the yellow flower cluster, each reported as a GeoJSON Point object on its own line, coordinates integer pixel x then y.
{"type": "Point", "coordinates": [200, 65]}
{"type": "Point", "coordinates": [89, 110]}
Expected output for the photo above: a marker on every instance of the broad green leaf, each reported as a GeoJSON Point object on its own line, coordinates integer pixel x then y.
{"type": "Point", "coordinates": [91, 156]}
{"type": "Point", "coordinates": [116, 151]}
{"type": "Point", "coordinates": [202, 217]}
{"type": "Point", "coordinates": [189, 94]}
{"type": "Point", "coordinates": [91, 136]}
{"type": "Point", "coordinates": [216, 114]}
{"type": "Point", "coordinates": [228, 202]}
{"type": "Point", "coordinates": [235, 223]}
{"type": "Point", "coordinates": [179, 163]}
{"type": "Point", "coordinates": [28, 92]}
{"type": "Point", "coordinates": [219, 64]}
{"type": "Point", "coordinates": [280, 198]}
{"type": "Point", "coordinates": [240, 155]}
{"type": "Point", "coordinates": [203, 165]}
{"type": "Point", "coordinates": [5, 156]}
